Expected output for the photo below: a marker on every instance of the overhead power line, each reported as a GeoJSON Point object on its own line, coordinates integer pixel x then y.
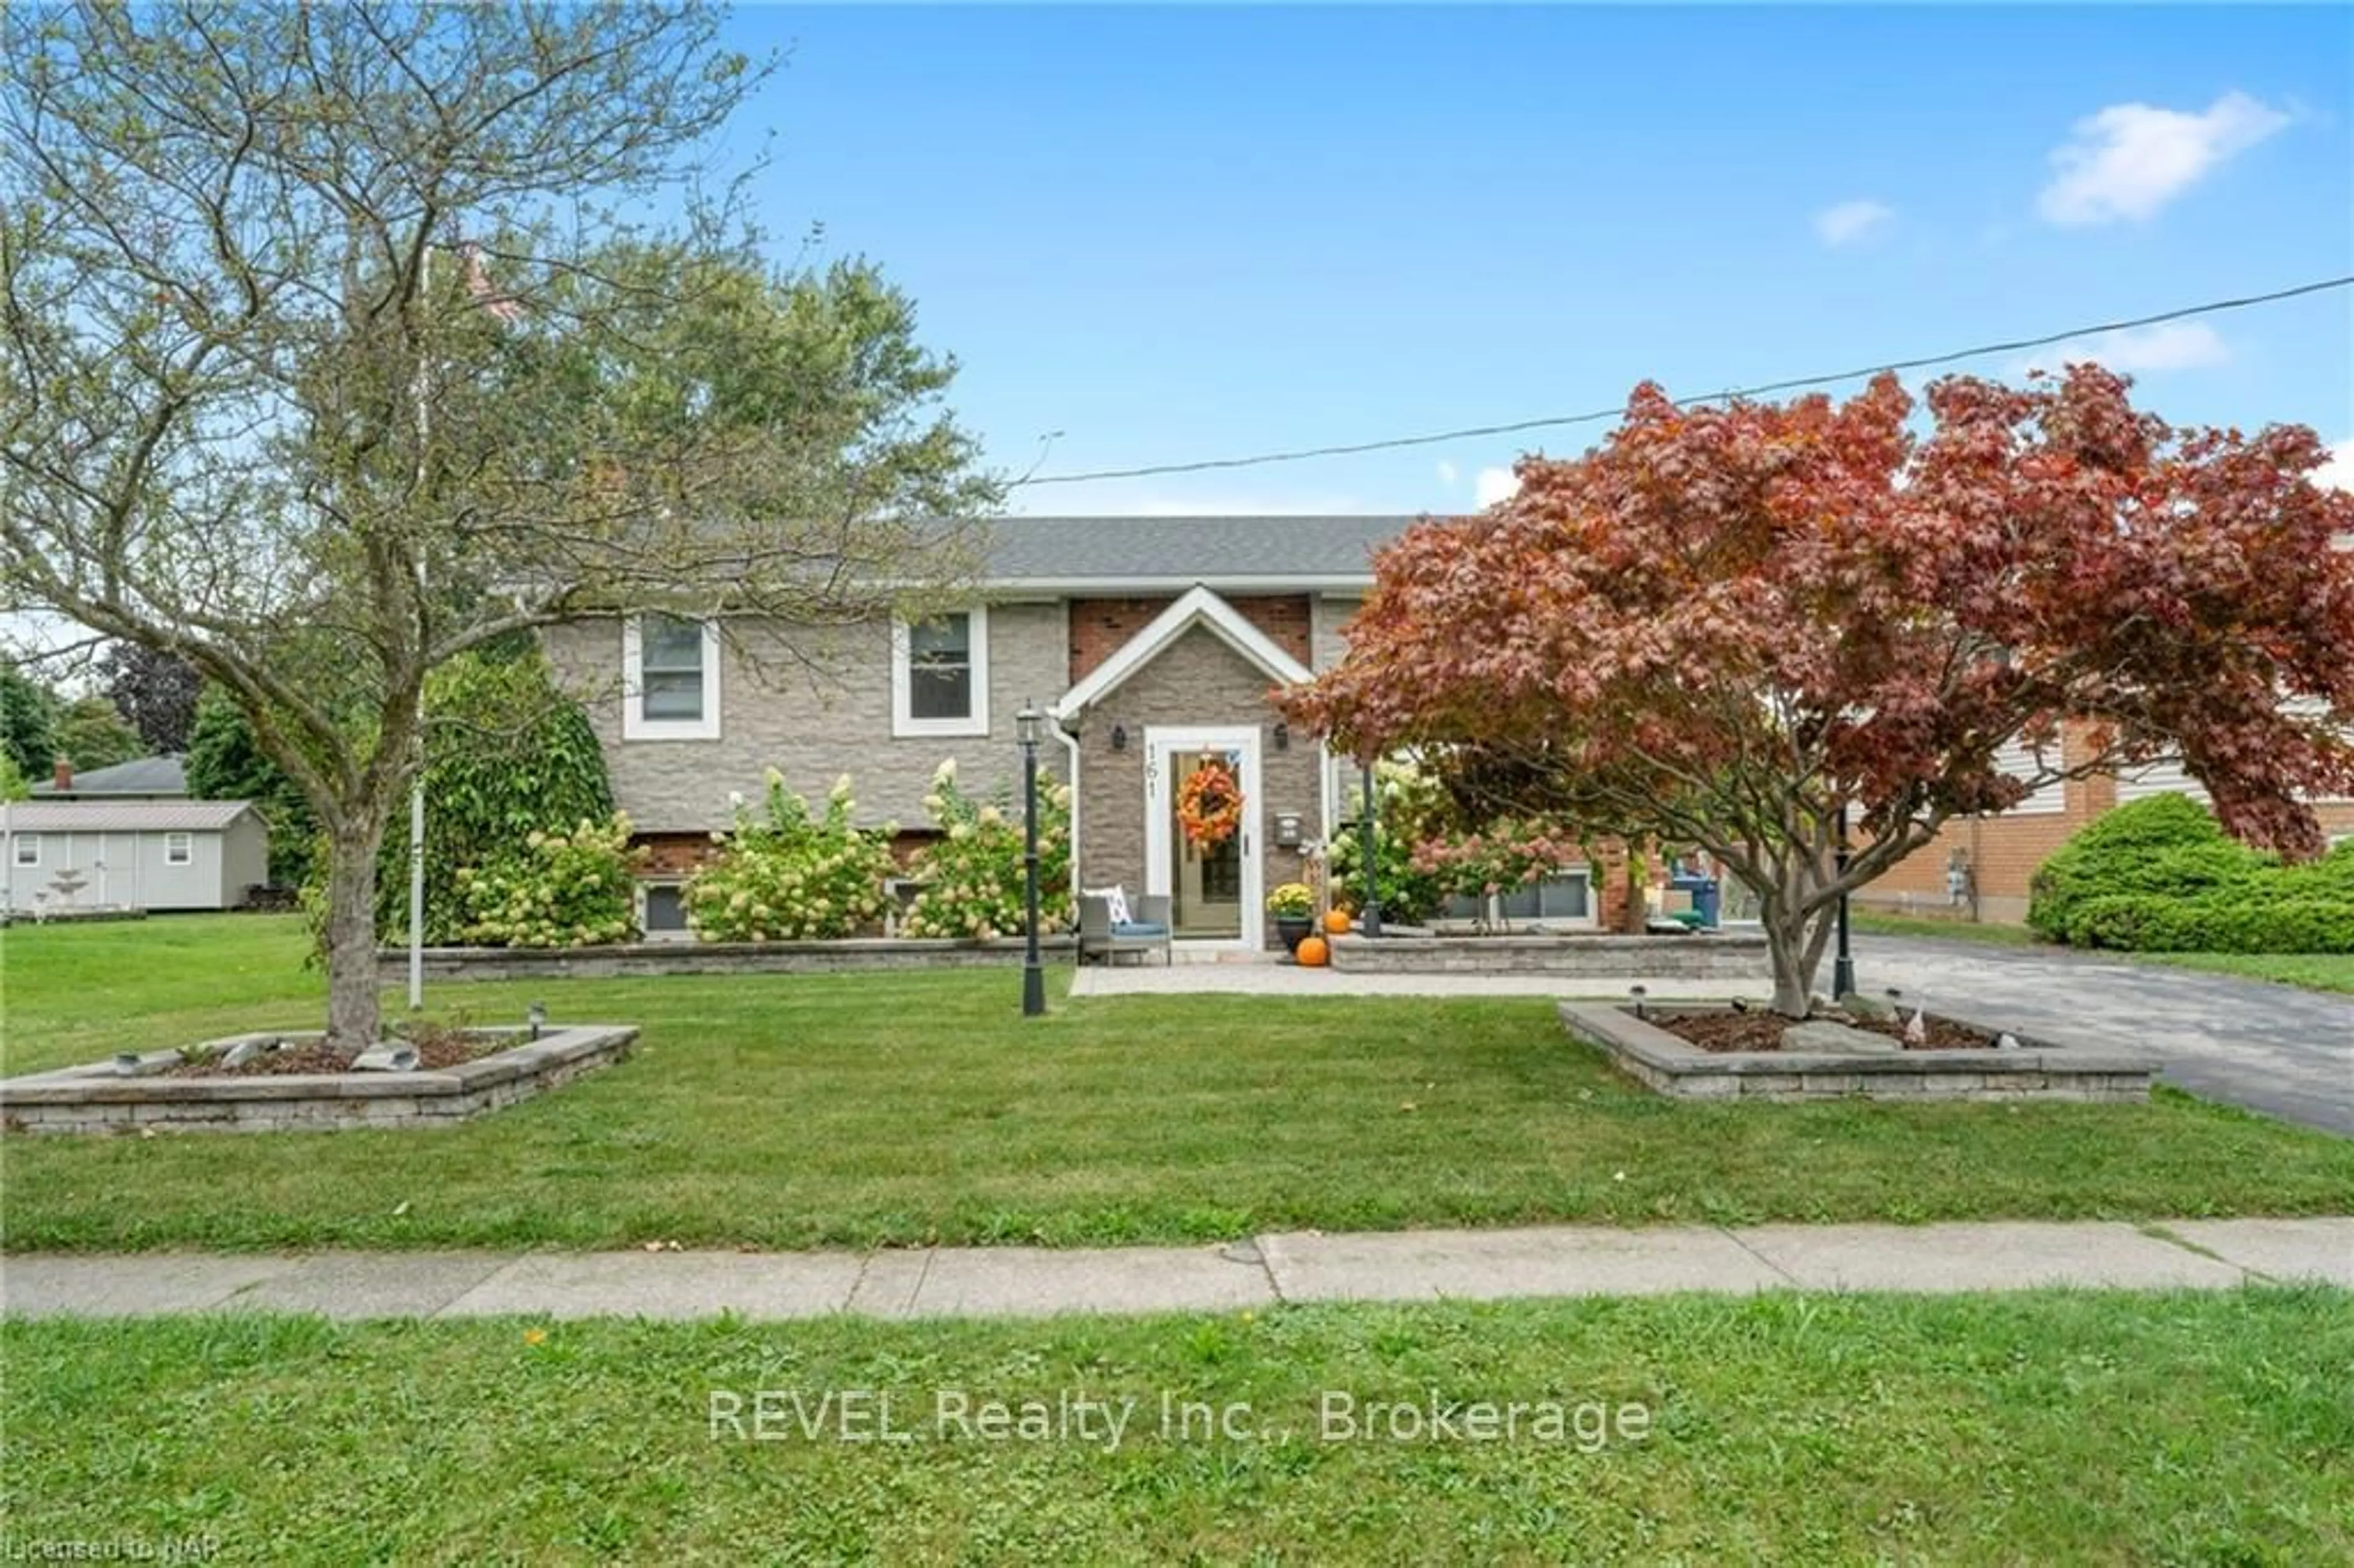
{"type": "Point", "coordinates": [1594, 416]}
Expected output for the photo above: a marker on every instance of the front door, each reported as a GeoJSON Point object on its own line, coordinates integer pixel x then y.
{"type": "Point", "coordinates": [1213, 887]}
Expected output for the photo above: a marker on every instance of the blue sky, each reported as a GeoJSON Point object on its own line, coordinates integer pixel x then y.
{"type": "Point", "coordinates": [1180, 233]}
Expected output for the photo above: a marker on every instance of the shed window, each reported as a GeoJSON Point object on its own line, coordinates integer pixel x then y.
{"type": "Point", "coordinates": [28, 849]}
{"type": "Point", "coordinates": [179, 849]}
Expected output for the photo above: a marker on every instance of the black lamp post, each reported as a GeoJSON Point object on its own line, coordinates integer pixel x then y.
{"type": "Point", "coordinates": [1843, 966]}
{"type": "Point", "coordinates": [1366, 829]}
{"type": "Point", "coordinates": [1027, 725]}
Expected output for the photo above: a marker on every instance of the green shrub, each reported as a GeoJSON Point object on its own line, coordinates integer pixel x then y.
{"type": "Point", "coordinates": [2166, 846]}
{"type": "Point", "coordinates": [973, 871]}
{"type": "Point", "coordinates": [507, 752]}
{"type": "Point", "coordinates": [2160, 875]}
{"type": "Point", "coordinates": [569, 889]}
{"type": "Point", "coordinates": [788, 875]}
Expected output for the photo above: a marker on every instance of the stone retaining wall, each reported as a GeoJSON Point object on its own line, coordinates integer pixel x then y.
{"type": "Point", "coordinates": [1709, 956]}
{"type": "Point", "coordinates": [103, 1097]}
{"type": "Point", "coordinates": [2037, 1069]}
{"type": "Point", "coordinates": [712, 958]}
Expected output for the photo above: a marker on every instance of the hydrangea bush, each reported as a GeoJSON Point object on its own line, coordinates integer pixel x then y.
{"type": "Point", "coordinates": [789, 874]}
{"type": "Point", "coordinates": [973, 871]}
{"type": "Point", "coordinates": [570, 889]}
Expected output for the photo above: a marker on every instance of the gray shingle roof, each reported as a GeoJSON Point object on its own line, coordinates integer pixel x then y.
{"type": "Point", "coordinates": [124, 816]}
{"type": "Point", "coordinates": [142, 775]}
{"type": "Point", "coordinates": [1187, 550]}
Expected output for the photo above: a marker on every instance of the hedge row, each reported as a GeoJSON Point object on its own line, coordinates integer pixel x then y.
{"type": "Point", "coordinates": [2160, 875]}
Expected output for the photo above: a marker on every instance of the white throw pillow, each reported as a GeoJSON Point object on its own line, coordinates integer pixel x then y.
{"type": "Point", "coordinates": [1115, 898]}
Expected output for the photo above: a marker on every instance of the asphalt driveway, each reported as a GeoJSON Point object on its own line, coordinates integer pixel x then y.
{"type": "Point", "coordinates": [2271, 1048]}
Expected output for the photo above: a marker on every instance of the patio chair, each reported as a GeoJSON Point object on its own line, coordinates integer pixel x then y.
{"type": "Point", "coordinates": [1147, 931]}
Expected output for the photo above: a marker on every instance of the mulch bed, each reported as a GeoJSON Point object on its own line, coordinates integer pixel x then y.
{"type": "Point", "coordinates": [1762, 1030]}
{"type": "Point", "coordinates": [436, 1050]}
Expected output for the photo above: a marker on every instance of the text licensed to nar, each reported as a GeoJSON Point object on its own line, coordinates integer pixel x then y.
{"type": "Point", "coordinates": [1111, 1420]}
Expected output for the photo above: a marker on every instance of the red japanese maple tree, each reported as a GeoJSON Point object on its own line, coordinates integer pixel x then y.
{"type": "Point", "coordinates": [1734, 628]}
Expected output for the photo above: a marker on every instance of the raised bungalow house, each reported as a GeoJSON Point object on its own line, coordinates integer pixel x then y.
{"type": "Point", "coordinates": [1152, 643]}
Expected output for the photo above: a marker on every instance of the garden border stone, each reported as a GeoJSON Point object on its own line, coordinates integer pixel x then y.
{"type": "Point", "coordinates": [1709, 955]}
{"type": "Point", "coordinates": [609, 960]}
{"type": "Point", "coordinates": [134, 1094]}
{"type": "Point", "coordinates": [2038, 1069]}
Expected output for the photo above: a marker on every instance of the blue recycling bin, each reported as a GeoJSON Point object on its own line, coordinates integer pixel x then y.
{"type": "Point", "coordinates": [1707, 896]}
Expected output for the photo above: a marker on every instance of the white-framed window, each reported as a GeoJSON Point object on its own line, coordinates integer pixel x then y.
{"type": "Point", "coordinates": [661, 911]}
{"type": "Point", "coordinates": [179, 849]}
{"type": "Point", "coordinates": [670, 678]}
{"type": "Point", "coordinates": [28, 849]}
{"type": "Point", "coordinates": [939, 674]}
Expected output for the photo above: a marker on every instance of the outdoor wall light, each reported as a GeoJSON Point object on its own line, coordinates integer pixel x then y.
{"type": "Point", "coordinates": [537, 1016]}
{"type": "Point", "coordinates": [1119, 738]}
{"type": "Point", "coordinates": [1282, 735]}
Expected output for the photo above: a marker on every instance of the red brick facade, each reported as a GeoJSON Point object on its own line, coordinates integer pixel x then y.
{"type": "Point", "coordinates": [2003, 852]}
{"type": "Point", "coordinates": [1100, 627]}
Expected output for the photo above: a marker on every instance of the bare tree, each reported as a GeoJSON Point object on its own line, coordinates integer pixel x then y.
{"type": "Point", "coordinates": [327, 353]}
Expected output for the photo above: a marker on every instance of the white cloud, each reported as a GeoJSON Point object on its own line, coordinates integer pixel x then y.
{"type": "Point", "coordinates": [1850, 221]}
{"type": "Point", "coordinates": [1494, 484]}
{"type": "Point", "coordinates": [1447, 473]}
{"type": "Point", "coordinates": [2338, 473]}
{"type": "Point", "coordinates": [2173, 346]}
{"type": "Point", "coordinates": [2131, 159]}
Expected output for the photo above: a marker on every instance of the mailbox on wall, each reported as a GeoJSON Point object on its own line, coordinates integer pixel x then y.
{"type": "Point", "coordinates": [1286, 829]}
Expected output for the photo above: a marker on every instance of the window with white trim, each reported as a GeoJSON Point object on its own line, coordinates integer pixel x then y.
{"type": "Point", "coordinates": [28, 849]}
{"type": "Point", "coordinates": [179, 849]}
{"type": "Point", "coordinates": [661, 911]}
{"type": "Point", "coordinates": [939, 674]}
{"type": "Point", "coordinates": [670, 678]}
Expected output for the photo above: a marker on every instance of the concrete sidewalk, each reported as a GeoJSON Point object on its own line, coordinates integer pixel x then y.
{"type": "Point", "coordinates": [1270, 979]}
{"type": "Point", "coordinates": [987, 1282]}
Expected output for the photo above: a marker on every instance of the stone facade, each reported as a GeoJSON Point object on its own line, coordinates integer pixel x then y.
{"type": "Point", "coordinates": [100, 1098]}
{"type": "Point", "coordinates": [1197, 680]}
{"type": "Point", "coordinates": [1698, 956]}
{"type": "Point", "coordinates": [816, 705]}
{"type": "Point", "coordinates": [2037, 1069]}
{"type": "Point", "coordinates": [854, 953]}
{"type": "Point", "coordinates": [813, 706]}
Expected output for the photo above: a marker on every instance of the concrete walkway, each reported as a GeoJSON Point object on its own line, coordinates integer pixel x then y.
{"type": "Point", "coordinates": [1271, 978]}
{"type": "Point", "coordinates": [1270, 1270]}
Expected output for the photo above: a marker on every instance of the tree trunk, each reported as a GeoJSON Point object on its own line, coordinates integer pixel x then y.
{"type": "Point", "coordinates": [352, 1015]}
{"type": "Point", "coordinates": [1786, 944]}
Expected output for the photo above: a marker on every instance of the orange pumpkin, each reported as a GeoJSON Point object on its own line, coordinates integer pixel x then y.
{"type": "Point", "coordinates": [1336, 921]}
{"type": "Point", "coordinates": [1313, 952]}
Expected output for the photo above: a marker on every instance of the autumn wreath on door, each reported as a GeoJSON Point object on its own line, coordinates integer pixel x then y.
{"type": "Point", "coordinates": [1209, 805]}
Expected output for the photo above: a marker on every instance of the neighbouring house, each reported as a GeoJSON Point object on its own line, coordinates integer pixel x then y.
{"type": "Point", "coordinates": [1980, 868]}
{"type": "Point", "coordinates": [1152, 643]}
{"type": "Point", "coordinates": [62, 855]}
{"type": "Point", "coordinates": [141, 778]}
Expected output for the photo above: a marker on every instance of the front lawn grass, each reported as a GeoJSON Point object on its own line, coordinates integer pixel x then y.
{"type": "Point", "coordinates": [2314, 971]}
{"type": "Point", "coordinates": [2054, 1427]}
{"type": "Point", "coordinates": [795, 1112]}
{"type": "Point", "coordinates": [1991, 933]}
